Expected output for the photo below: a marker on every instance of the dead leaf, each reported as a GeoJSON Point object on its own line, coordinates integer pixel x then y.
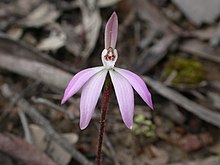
{"type": "Point", "coordinates": [15, 32]}
{"type": "Point", "coordinates": [55, 150]}
{"type": "Point", "coordinates": [24, 7]}
{"type": "Point", "coordinates": [215, 99]}
{"type": "Point", "coordinates": [74, 39]}
{"type": "Point", "coordinates": [12, 11]}
{"type": "Point", "coordinates": [29, 38]}
{"type": "Point", "coordinates": [107, 3]}
{"type": "Point", "coordinates": [152, 156]}
{"type": "Point", "coordinates": [91, 25]}
{"type": "Point", "coordinates": [204, 34]}
{"type": "Point", "coordinates": [215, 148]}
{"type": "Point", "coordinates": [42, 142]}
{"type": "Point", "coordinates": [171, 111]}
{"type": "Point", "coordinates": [56, 39]}
{"type": "Point", "coordinates": [43, 14]}
{"type": "Point", "coordinates": [39, 137]}
{"type": "Point", "coordinates": [81, 39]}
{"type": "Point", "coordinates": [160, 156]}
{"type": "Point", "coordinates": [196, 10]}
{"type": "Point", "coordinates": [201, 49]}
{"type": "Point", "coordinates": [212, 160]}
{"type": "Point", "coordinates": [192, 142]}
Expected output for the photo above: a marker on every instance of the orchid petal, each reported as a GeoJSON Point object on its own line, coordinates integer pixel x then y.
{"type": "Point", "coordinates": [111, 31]}
{"type": "Point", "coordinates": [78, 81]}
{"type": "Point", "coordinates": [125, 97]}
{"type": "Point", "coordinates": [89, 97]}
{"type": "Point", "coordinates": [138, 84]}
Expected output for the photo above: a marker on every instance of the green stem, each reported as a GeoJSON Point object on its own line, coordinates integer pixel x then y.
{"type": "Point", "coordinates": [105, 100]}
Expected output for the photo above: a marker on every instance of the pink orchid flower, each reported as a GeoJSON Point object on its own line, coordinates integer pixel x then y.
{"type": "Point", "coordinates": [91, 82]}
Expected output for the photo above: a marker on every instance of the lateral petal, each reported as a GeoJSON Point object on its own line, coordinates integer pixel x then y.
{"type": "Point", "coordinates": [89, 97]}
{"type": "Point", "coordinates": [78, 81]}
{"type": "Point", "coordinates": [125, 97]}
{"type": "Point", "coordinates": [138, 84]}
{"type": "Point", "coordinates": [111, 31]}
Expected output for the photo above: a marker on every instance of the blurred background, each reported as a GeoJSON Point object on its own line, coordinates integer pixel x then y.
{"type": "Point", "coordinates": [172, 44]}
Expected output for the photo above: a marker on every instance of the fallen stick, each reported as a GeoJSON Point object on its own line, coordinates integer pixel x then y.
{"type": "Point", "coordinates": [42, 121]}
{"type": "Point", "coordinates": [149, 58]}
{"type": "Point", "coordinates": [25, 126]}
{"type": "Point", "coordinates": [198, 110]}
{"type": "Point", "coordinates": [200, 49]}
{"type": "Point", "coordinates": [35, 70]}
{"type": "Point", "coordinates": [52, 106]}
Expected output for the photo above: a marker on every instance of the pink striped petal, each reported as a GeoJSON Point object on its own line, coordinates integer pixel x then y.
{"type": "Point", "coordinates": [125, 97]}
{"type": "Point", "coordinates": [138, 84]}
{"type": "Point", "coordinates": [111, 31]}
{"type": "Point", "coordinates": [89, 97]}
{"type": "Point", "coordinates": [78, 81]}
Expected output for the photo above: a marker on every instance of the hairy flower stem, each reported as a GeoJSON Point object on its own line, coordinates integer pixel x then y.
{"type": "Point", "coordinates": [105, 100]}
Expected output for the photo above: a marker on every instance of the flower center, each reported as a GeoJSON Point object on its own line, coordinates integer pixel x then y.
{"type": "Point", "coordinates": [109, 57]}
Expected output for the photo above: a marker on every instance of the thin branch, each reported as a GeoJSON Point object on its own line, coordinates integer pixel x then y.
{"type": "Point", "coordinates": [52, 105]}
{"type": "Point", "coordinates": [198, 110]}
{"type": "Point", "coordinates": [26, 128]}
